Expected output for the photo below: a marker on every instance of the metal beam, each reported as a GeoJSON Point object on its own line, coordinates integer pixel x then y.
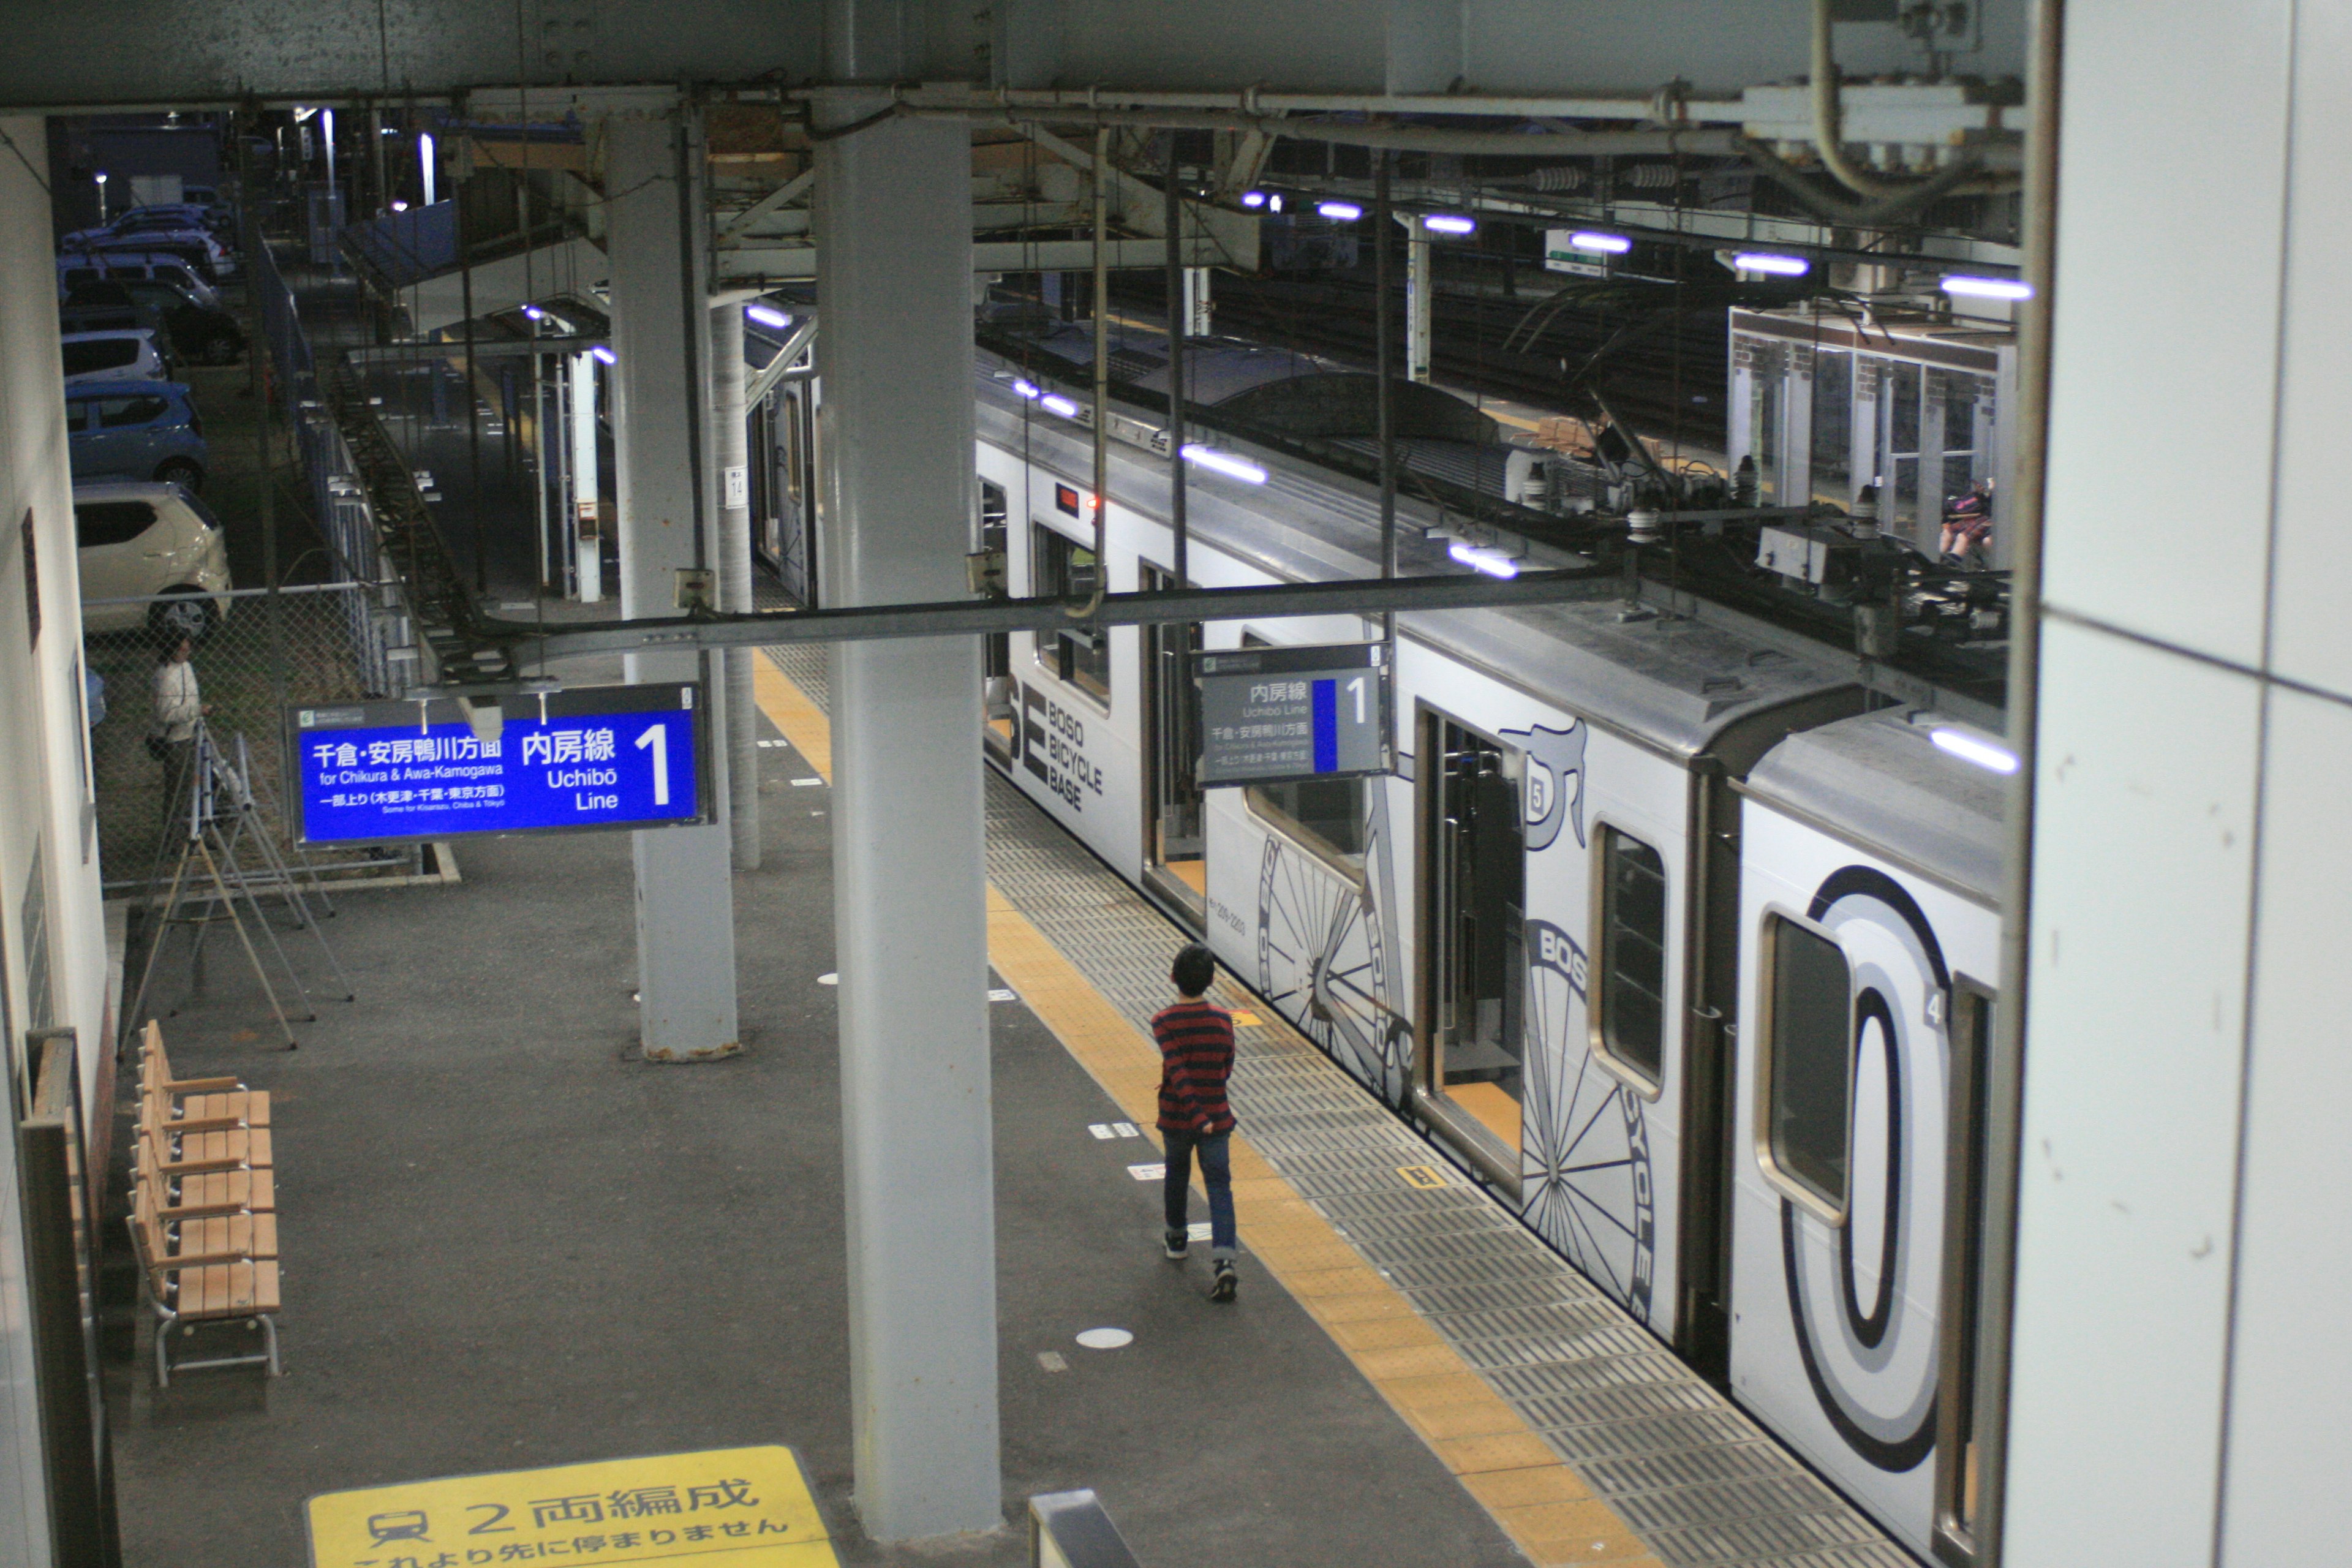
{"type": "Point", "coordinates": [786, 264]}
{"type": "Point", "coordinates": [971, 616]}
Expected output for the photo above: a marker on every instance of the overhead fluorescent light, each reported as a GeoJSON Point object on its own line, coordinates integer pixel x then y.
{"type": "Point", "coordinates": [1252, 198]}
{"type": "Point", "coordinates": [604, 355]}
{"type": "Point", "coordinates": [1339, 212]}
{"type": "Point", "coordinates": [1224, 463]}
{"type": "Point", "coordinates": [767, 316]}
{"type": "Point", "coordinates": [534, 313]}
{"type": "Point", "coordinates": [1972, 749]}
{"type": "Point", "coordinates": [1028, 389]}
{"type": "Point", "coordinates": [1989, 288]}
{"type": "Point", "coordinates": [1056, 404]}
{"type": "Point", "coordinates": [1483, 557]}
{"type": "Point", "coordinates": [1449, 223]}
{"type": "Point", "coordinates": [1600, 244]}
{"type": "Point", "coordinates": [1776, 266]}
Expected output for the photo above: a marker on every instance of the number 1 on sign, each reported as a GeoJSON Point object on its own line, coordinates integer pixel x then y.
{"type": "Point", "coordinates": [656, 740]}
{"type": "Point", "coordinates": [1357, 686]}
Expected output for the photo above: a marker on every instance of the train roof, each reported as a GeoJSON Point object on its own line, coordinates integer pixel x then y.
{"type": "Point", "coordinates": [1879, 780]}
{"type": "Point", "coordinates": [1672, 684]}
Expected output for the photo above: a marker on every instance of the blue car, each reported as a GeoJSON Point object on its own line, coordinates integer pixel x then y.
{"type": "Point", "coordinates": [135, 430]}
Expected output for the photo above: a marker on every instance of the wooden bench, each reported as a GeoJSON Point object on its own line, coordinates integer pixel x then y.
{"type": "Point", "coordinates": [202, 1097]}
{"type": "Point", "coordinates": [204, 1202]}
{"type": "Point", "coordinates": [187, 1286]}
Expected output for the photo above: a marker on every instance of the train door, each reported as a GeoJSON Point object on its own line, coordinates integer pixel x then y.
{"type": "Point", "coordinates": [997, 696]}
{"type": "Point", "coordinates": [1957, 1474]}
{"type": "Point", "coordinates": [1175, 849]}
{"type": "Point", "coordinates": [1473, 955]}
{"type": "Point", "coordinates": [789, 529]}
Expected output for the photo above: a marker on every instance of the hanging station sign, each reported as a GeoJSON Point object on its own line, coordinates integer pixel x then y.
{"type": "Point", "coordinates": [596, 757]}
{"type": "Point", "coordinates": [1271, 715]}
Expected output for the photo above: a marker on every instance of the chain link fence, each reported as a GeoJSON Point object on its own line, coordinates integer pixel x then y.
{"type": "Point", "coordinates": [314, 645]}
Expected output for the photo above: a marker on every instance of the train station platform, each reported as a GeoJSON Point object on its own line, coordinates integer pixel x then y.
{"type": "Point", "coordinates": [508, 1244]}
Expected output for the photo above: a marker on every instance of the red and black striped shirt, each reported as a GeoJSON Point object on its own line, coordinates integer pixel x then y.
{"type": "Point", "coordinates": [1196, 1057]}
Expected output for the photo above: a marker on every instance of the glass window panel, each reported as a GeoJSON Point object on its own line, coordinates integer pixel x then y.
{"type": "Point", "coordinates": [1833, 444]}
{"type": "Point", "coordinates": [1902, 390]}
{"type": "Point", "coordinates": [1960, 394]}
{"type": "Point", "coordinates": [1812, 1070]}
{"type": "Point", "coordinates": [1633, 954]}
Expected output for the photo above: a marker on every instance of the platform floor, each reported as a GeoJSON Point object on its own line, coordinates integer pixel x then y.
{"type": "Point", "coordinates": [509, 1244]}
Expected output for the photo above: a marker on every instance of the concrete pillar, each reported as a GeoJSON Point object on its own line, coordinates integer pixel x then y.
{"type": "Point", "coordinates": [685, 910]}
{"type": "Point", "coordinates": [732, 489]}
{"type": "Point", "coordinates": [894, 281]}
{"type": "Point", "coordinates": [588, 531]}
{"type": "Point", "coordinates": [1417, 298]}
{"type": "Point", "coordinates": [2178, 1377]}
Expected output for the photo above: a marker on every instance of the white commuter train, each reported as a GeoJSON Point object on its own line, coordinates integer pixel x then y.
{"type": "Point", "coordinates": [1665, 934]}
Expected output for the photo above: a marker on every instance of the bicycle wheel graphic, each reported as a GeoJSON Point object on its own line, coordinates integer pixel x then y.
{"type": "Point", "coordinates": [1585, 1167]}
{"type": "Point", "coordinates": [1322, 961]}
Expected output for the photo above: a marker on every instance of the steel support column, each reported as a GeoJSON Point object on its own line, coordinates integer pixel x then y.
{"type": "Point", "coordinates": [686, 911]}
{"type": "Point", "coordinates": [731, 492]}
{"type": "Point", "coordinates": [1417, 299]}
{"type": "Point", "coordinates": [896, 357]}
{"type": "Point", "coordinates": [587, 530]}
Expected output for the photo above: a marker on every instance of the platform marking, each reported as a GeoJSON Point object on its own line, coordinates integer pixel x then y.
{"type": "Point", "coordinates": [1105, 1339]}
{"type": "Point", "coordinates": [1201, 1230]}
{"type": "Point", "coordinates": [1535, 1497]}
{"type": "Point", "coordinates": [1001, 994]}
{"type": "Point", "coordinates": [1426, 1177]}
{"type": "Point", "coordinates": [753, 1505]}
{"type": "Point", "coordinates": [1151, 1173]}
{"type": "Point", "coordinates": [1125, 1129]}
{"type": "Point", "coordinates": [1101, 1129]}
{"type": "Point", "coordinates": [807, 783]}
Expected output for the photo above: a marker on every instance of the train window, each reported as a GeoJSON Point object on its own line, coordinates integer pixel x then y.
{"type": "Point", "coordinates": [1809, 1062]}
{"type": "Point", "coordinates": [1629, 1023]}
{"type": "Point", "coordinates": [1061, 567]}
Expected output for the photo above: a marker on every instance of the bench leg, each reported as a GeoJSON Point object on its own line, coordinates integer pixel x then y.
{"type": "Point", "coordinates": [162, 1352]}
{"type": "Point", "coordinates": [269, 1338]}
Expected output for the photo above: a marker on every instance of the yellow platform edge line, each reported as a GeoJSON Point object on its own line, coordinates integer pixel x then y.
{"type": "Point", "coordinates": [1536, 1497]}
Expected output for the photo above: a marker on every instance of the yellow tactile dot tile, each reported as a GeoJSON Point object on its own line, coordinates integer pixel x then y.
{"type": "Point", "coordinates": [1499, 1458]}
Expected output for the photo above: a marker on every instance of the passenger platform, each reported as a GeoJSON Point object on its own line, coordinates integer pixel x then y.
{"type": "Point", "coordinates": [510, 1244]}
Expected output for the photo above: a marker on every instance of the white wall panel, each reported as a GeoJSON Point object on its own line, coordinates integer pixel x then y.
{"type": "Point", "coordinates": [2163, 353]}
{"type": "Point", "coordinates": [2292, 1367]}
{"type": "Point", "coordinates": [2312, 636]}
{"type": "Point", "coordinates": [2142, 872]}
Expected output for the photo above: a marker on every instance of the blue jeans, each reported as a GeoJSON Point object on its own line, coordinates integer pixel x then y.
{"type": "Point", "coordinates": [1216, 1174]}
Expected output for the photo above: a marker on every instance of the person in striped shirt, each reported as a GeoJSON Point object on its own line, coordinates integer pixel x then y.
{"type": "Point", "coordinates": [1196, 1057]}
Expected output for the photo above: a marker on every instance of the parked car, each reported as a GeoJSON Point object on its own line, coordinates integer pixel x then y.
{"type": "Point", "coordinates": [197, 248]}
{"type": "Point", "coordinates": [84, 268]}
{"type": "Point", "coordinates": [198, 332]}
{"type": "Point", "coordinates": [136, 430]}
{"type": "Point", "coordinates": [141, 541]}
{"type": "Point", "coordinates": [120, 355]}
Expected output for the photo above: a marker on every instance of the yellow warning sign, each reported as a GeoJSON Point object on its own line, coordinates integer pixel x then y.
{"type": "Point", "coordinates": [750, 1503]}
{"type": "Point", "coordinates": [1422, 1176]}
{"type": "Point", "coordinates": [1245, 1019]}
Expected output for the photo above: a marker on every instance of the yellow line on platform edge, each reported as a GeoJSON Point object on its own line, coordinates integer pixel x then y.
{"type": "Point", "coordinates": [1535, 1497]}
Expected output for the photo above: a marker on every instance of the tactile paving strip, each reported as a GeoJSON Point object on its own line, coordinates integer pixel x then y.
{"type": "Point", "coordinates": [1702, 1486]}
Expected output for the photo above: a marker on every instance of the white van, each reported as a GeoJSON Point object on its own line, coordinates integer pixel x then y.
{"type": "Point", "coordinates": [81, 268]}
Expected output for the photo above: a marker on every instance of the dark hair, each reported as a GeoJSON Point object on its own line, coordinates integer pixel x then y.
{"type": "Point", "coordinates": [1193, 970]}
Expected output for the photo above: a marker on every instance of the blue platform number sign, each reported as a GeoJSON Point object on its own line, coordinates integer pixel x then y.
{"type": "Point", "coordinates": [601, 757]}
{"type": "Point", "coordinates": [1271, 714]}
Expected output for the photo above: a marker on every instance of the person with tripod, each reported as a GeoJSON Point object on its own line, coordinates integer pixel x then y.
{"type": "Point", "coordinates": [179, 707]}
